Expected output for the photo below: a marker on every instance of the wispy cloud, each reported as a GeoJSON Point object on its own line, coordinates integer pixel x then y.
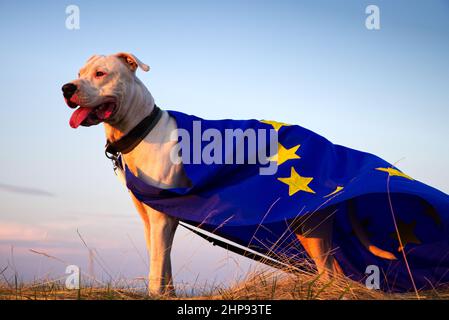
{"type": "Point", "coordinates": [62, 233]}
{"type": "Point", "coordinates": [21, 232]}
{"type": "Point", "coordinates": [25, 190]}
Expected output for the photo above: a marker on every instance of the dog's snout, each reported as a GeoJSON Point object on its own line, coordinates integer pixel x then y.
{"type": "Point", "coordinates": [68, 90]}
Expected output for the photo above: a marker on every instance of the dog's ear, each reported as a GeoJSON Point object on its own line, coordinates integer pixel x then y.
{"type": "Point", "coordinates": [132, 62]}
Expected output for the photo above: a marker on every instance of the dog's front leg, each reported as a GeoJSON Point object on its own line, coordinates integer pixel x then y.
{"type": "Point", "coordinates": [143, 212]}
{"type": "Point", "coordinates": [162, 232]}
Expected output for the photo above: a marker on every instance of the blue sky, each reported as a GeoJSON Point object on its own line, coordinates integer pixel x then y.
{"type": "Point", "coordinates": [311, 63]}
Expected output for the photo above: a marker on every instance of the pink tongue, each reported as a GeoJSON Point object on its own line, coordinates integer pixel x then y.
{"type": "Point", "coordinates": [78, 116]}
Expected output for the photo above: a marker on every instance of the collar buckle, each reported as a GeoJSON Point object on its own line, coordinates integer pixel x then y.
{"type": "Point", "coordinates": [115, 159]}
{"type": "Point", "coordinates": [114, 150]}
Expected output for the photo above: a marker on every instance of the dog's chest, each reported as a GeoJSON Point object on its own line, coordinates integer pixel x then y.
{"type": "Point", "coordinates": [151, 159]}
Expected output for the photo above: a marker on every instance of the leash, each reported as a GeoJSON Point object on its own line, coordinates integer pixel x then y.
{"type": "Point", "coordinates": [129, 141]}
{"type": "Point", "coordinates": [240, 250]}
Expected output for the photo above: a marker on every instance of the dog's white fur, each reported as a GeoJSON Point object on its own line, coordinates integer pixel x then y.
{"type": "Point", "coordinates": [150, 161]}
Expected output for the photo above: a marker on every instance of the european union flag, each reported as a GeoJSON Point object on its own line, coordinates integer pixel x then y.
{"type": "Point", "coordinates": [235, 201]}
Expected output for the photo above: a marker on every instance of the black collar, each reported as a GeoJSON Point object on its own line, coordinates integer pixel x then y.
{"type": "Point", "coordinates": [129, 141]}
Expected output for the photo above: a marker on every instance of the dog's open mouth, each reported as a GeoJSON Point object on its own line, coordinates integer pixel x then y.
{"type": "Point", "coordinates": [89, 116]}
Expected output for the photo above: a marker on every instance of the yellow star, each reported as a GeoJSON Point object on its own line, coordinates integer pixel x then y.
{"type": "Point", "coordinates": [285, 154]}
{"type": "Point", "coordinates": [276, 125]}
{"type": "Point", "coordinates": [394, 172]}
{"type": "Point", "coordinates": [337, 190]}
{"type": "Point", "coordinates": [406, 233]}
{"type": "Point", "coordinates": [296, 183]}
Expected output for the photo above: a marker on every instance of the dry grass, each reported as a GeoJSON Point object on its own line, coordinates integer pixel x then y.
{"type": "Point", "coordinates": [261, 284]}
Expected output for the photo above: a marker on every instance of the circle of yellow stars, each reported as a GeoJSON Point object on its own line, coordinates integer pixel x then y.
{"type": "Point", "coordinates": [297, 183]}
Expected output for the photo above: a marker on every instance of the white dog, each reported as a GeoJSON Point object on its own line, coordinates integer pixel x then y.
{"type": "Point", "coordinates": [107, 90]}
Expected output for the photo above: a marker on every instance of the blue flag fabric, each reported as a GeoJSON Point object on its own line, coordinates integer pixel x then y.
{"type": "Point", "coordinates": [236, 202]}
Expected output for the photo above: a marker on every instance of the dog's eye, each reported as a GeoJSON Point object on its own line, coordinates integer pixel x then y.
{"type": "Point", "coordinates": [99, 74]}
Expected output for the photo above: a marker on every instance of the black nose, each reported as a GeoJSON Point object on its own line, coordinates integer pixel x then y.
{"type": "Point", "coordinates": [68, 90]}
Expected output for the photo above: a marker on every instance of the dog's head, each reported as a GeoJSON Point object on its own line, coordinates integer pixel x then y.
{"type": "Point", "coordinates": [105, 90]}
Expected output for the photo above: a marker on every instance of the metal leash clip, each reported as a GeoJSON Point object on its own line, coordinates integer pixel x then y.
{"type": "Point", "coordinates": [115, 158]}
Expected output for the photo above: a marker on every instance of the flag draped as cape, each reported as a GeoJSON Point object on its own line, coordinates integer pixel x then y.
{"type": "Point", "coordinates": [236, 202]}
